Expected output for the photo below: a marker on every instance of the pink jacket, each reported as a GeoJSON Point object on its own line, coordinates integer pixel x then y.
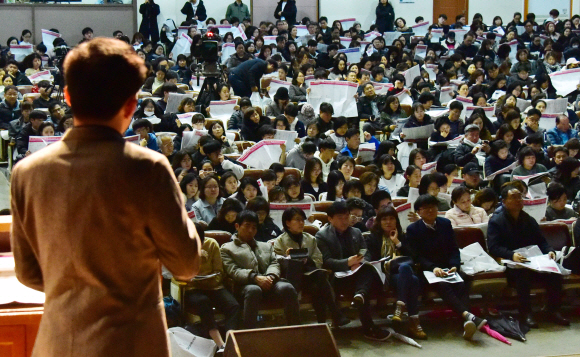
{"type": "Point", "coordinates": [459, 218]}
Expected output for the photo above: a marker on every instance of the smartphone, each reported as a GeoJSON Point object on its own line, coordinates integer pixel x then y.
{"type": "Point", "coordinates": [362, 251]}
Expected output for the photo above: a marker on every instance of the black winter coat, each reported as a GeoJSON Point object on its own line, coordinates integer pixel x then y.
{"type": "Point", "coordinates": [289, 12]}
{"type": "Point", "coordinates": [149, 28]}
{"type": "Point", "coordinates": [201, 14]}
{"type": "Point", "coordinates": [385, 18]}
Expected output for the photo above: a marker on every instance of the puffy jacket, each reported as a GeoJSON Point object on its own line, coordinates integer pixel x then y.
{"type": "Point", "coordinates": [557, 137]}
{"type": "Point", "coordinates": [457, 217]}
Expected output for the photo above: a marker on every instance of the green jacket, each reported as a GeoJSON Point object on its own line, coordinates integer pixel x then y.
{"type": "Point", "coordinates": [240, 11]}
{"type": "Point", "coordinates": [283, 242]}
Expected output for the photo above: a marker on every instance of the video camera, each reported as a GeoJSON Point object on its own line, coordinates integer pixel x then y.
{"type": "Point", "coordinates": [208, 51]}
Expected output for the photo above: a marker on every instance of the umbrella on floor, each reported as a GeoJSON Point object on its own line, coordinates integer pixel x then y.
{"type": "Point", "coordinates": [404, 338]}
{"type": "Point", "coordinates": [498, 336]}
{"type": "Point", "coordinates": [509, 327]}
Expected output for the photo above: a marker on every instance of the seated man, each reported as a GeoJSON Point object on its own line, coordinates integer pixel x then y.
{"type": "Point", "coordinates": [469, 146]}
{"type": "Point", "coordinates": [433, 242]}
{"type": "Point", "coordinates": [44, 101]}
{"type": "Point", "coordinates": [256, 273]}
{"type": "Point", "coordinates": [472, 178]}
{"type": "Point", "coordinates": [562, 132]}
{"type": "Point", "coordinates": [510, 229]}
{"type": "Point", "coordinates": [343, 248]}
{"type": "Point", "coordinates": [56, 111]}
{"type": "Point", "coordinates": [453, 118]}
{"type": "Point", "coordinates": [36, 118]}
{"type": "Point", "coordinates": [299, 154]}
{"type": "Point", "coordinates": [352, 137]}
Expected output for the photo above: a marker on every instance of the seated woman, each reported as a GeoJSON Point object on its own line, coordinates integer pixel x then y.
{"type": "Point", "coordinates": [312, 182]}
{"type": "Point", "coordinates": [299, 89]}
{"type": "Point", "coordinates": [346, 166]}
{"type": "Point", "coordinates": [248, 189]}
{"type": "Point", "coordinates": [390, 113]}
{"type": "Point", "coordinates": [370, 182]}
{"type": "Point", "coordinates": [354, 188]}
{"type": "Point", "coordinates": [46, 129]}
{"type": "Point", "coordinates": [198, 122]}
{"type": "Point", "coordinates": [463, 212]}
{"type": "Point", "coordinates": [182, 160]}
{"type": "Point", "coordinates": [418, 157]}
{"type": "Point", "coordinates": [144, 129]}
{"type": "Point", "coordinates": [251, 123]}
{"type": "Point", "coordinates": [429, 184]}
{"type": "Point", "coordinates": [217, 131]}
{"type": "Point", "coordinates": [316, 283]}
{"type": "Point", "coordinates": [312, 133]}
{"type": "Point", "coordinates": [412, 179]}
{"type": "Point", "coordinates": [210, 202]}
{"type": "Point", "coordinates": [514, 119]}
{"type": "Point", "coordinates": [222, 92]}
{"type": "Point", "coordinates": [179, 137]}
{"type": "Point", "coordinates": [387, 240]}
{"type": "Point", "coordinates": [335, 182]}
{"type": "Point", "coordinates": [557, 199]}
{"type": "Point", "coordinates": [229, 184]}
{"type": "Point", "coordinates": [277, 195]}
{"type": "Point", "coordinates": [506, 133]}
{"type": "Point", "coordinates": [293, 189]}
{"type": "Point", "coordinates": [226, 218]}
{"type": "Point", "coordinates": [527, 163]}
{"type": "Point", "coordinates": [486, 199]}
{"type": "Point", "coordinates": [267, 229]}
{"type": "Point", "coordinates": [190, 187]}
{"type": "Point", "coordinates": [210, 293]}
{"type": "Point", "coordinates": [566, 174]}
{"type": "Point", "coordinates": [340, 127]}
{"type": "Point", "coordinates": [389, 179]}
{"type": "Point", "coordinates": [499, 157]}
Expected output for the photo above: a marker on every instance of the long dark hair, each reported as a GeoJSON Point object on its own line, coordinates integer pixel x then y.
{"type": "Point", "coordinates": [140, 113]}
{"type": "Point", "coordinates": [334, 177]}
{"type": "Point", "coordinates": [310, 164]}
{"type": "Point", "coordinates": [377, 230]}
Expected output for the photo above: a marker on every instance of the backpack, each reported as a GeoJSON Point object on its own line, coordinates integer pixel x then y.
{"type": "Point", "coordinates": [172, 311]}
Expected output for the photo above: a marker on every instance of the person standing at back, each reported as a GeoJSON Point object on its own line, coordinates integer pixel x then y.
{"type": "Point", "coordinates": [385, 16]}
{"type": "Point", "coordinates": [96, 247]}
{"type": "Point", "coordinates": [238, 10]}
{"type": "Point", "coordinates": [286, 10]}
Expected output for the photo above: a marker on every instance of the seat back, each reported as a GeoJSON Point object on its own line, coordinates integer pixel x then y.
{"type": "Point", "coordinates": [209, 122]}
{"type": "Point", "coordinates": [253, 173]}
{"type": "Point", "coordinates": [322, 206]}
{"type": "Point", "coordinates": [359, 170]}
{"type": "Point", "coordinates": [221, 237]}
{"type": "Point", "coordinates": [557, 234]}
{"type": "Point", "coordinates": [407, 109]}
{"type": "Point", "coordinates": [320, 216]}
{"type": "Point", "coordinates": [312, 230]}
{"type": "Point", "coordinates": [292, 171]}
{"type": "Point", "coordinates": [465, 236]}
{"type": "Point", "coordinates": [5, 242]}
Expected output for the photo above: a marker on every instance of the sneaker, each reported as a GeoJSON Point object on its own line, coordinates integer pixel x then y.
{"type": "Point", "coordinates": [469, 329]}
{"type": "Point", "coordinates": [398, 316]}
{"type": "Point", "coordinates": [415, 329]}
{"type": "Point", "coordinates": [358, 300]}
{"type": "Point", "coordinates": [377, 334]}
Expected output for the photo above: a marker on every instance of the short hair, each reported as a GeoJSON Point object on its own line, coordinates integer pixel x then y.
{"type": "Point", "coordinates": [277, 167]}
{"type": "Point", "coordinates": [86, 30]}
{"type": "Point", "coordinates": [505, 189]}
{"type": "Point", "coordinates": [339, 122]}
{"type": "Point", "coordinates": [289, 213]}
{"type": "Point", "coordinates": [186, 180]}
{"type": "Point", "coordinates": [354, 203]}
{"type": "Point", "coordinates": [537, 138]}
{"type": "Point", "coordinates": [266, 130]}
{"type": "Point", "coordinates": [326, 108]}
{"type": "Point", "coordinates": [526, 151]}
{"type": "Point", "coordinates": [84, 67]}
{"type": "Point", "coordinates": [456, 105]}
{"type": "Point", "coordinates": [352, 185]}
{"type": "Point", "coordinates": [291, 110]}
{"type": "Point", "coordinates": [142, 123]}
{"type": "Point", "coordinates": [351, 132]}
{"type": "Point", "coordinates": [496, 146]}
{"type": "Point", "coordinates": [258, 203]}
{"type": "Point", "coordinates": [337, 207]}
{"type": "Point", "coordinates": [555, 191]}
{"type": "Point", "coordinates": [427, 96]}
{"type": "Point", "coordinates": [204, 182]}
{"type": "Point", "coordinates": [308, 147]}
{"type": "Point", "coordinates": [534, 111]}
{"type": "Point", "coordinates": [425, 200]}
{"type": "Point", "coordinates": [247, 216]}
{"type": "Point", "coordinates": [44, 84]}
{"type": "Point", "coordinates": [245, 102]}
{"type": "Point", "coordinates": [37, 114]}
{"type": "Point", "coordinates": [378, 196]}
{"type": "Point", "coordinates": [327, 143]}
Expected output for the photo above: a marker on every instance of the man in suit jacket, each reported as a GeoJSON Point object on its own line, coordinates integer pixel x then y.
{"type": "Point", "coordinates": [511, 229]}
{"type": "Point", "coordinates": [344, 249]}
{"type": "Point", "coordinates": [433, 242]}
{"type": "Point", "coordinates": [90, 238]}
{"type": "Point", "coordinates": [253, 267]}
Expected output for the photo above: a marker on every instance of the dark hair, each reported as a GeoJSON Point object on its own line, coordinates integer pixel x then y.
{"type": "Point", "coordinates": [230, 204]}
{"type": "Point", "coordinates": [142, 123]}
{"type": "Point", "coordinates": [351, 132]}
{"type": "Point", "coordinates": [204, 182]}
{"type": "Point", "coordinates": [308, 147]}
{"type": "Point", "coordinates": [458, 192]}
{"type": "Point", "coordinates": [355, 202]}
{"type": "Point", "coordinates": [339, 122]}
{"type": "Point", "coordinates": [337, 208]}
{"type": "Point", "coordinates": [505, 188]}
{"type": "Point", "coordinates": [289, 181]}
{"type": "Point", "coordinates": [268, 175]}
{"type": "Point", "coordinates": [425, 200]}
{"type": "Point", "coordinates": [425, 182]}
{"type": "Point", "coordinates": [277, 167]}
{"type": "Point", "coordinates": [309, 166]}
{"type": "Point", "coordinates": [555, 191]}
{"type": "Point", "coordinates": [334, 177]}
{"type": "Point", "coordinates": [244, 182]}
{"type": "Point", "coordinates": [247, 216]}
{"type": "Point", "coordinates": [503, 129]}
{"type": "Point", "coordinates": [343, 159]}
{"type": "Point", "coordinates": [37, 114]}
{"type": "Point", "coordinates": [378, 196]}
{"type": "Point", "coordinates": [289, 214]}
{"type": "Point", "coordinates": [327, 143]}
{"type": "Point", "coordinates": [44, 125]}
{"type": "Point", "coordinates": [326, 108]}
{"type": "Point", "coordinates": [176, 163]}
{"type": "Point", "coordinates": [87, 63]}
{"type": "Point", "coordinates": [496, 146]}
{"type": "Point", "coordinates": [352, 185]}
{"type": "Point", "coordinates": [525, 151]}
{"type": "Point", "coordinates": [456, 105]}
{"type": "Point", "coordinates": [414, 152]}
{"type": "Point", "coordinates": [259, 203]}
{"type": "Point", "coordinates": [186, 180]}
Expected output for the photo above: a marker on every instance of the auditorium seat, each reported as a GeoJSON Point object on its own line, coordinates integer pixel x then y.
{"type": "Point", "coordinates": [221, 237]}
{"type": "Point", "coordinates": [144, 95]}
{"type": "Point", "coordinates": [312, 230]}
{"type": "Point", "coordinates": [407, 109]}
{"type": "Point", "coordinates": [292, 171]}
{"type": "Point", "coordinates": [558, 236]}
{"type": "Point", "coordinates": [253, 173]}
{"type": "Point", "coordinates": [30, 96]}
{"type": "Point", "coordinates": [209, 122]}
{"type": "Point", "coordinates": [243, 145]}
{"type": "Point", "coordinates": [5, 242]}
{"type": "Point", "coordinates": [24, 89]}
{"type": "Point", "coordinates": [359, 170]}
{"type": "Point", "coordinates": [320, 216]}
{"type": "Point", "coordinates": [322, 206]}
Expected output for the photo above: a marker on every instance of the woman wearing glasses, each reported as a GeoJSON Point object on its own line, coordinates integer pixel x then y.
{"type": "Point", "coordinates": [210, 202]}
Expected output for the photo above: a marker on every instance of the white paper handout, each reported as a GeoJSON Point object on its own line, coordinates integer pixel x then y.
{"type": "Point", "coordinates": [537, 260]}
{"type": "Point", "coordinates": [432, 279]}
{"type": "Point", "coordinates": [404, 97]}
{"type": "Point", "coordinates": [133, 139]}
{"type": "Point", "coordinates": [347, 23]}
{"type": "Point", "coordinates": [403, 212]}
{"type": "Point", "coordinates": [223, 29]}
{"type": "Point", "coordinates": [411, 74]}
{"type": "Point", "coordinates": [222, 109]}
{"type": "Point", "coordinates": [263, 154]}
{"type": "Point", "coordinates": [190, 138]}
{"type": "Point", "coordinates": [536, 208]}
{"type": "Point", "coordinates": [41, 76]}
{"type": "Point", "coordinates": [288, 136]}
{"type": "Point", "coordinates": [403, 151]}
{"type": "Point", "coordinates": [428, 168]}
{"type": "Point", "coordinates": [451, 144]}
{"type": "Point", "coordinates": [182, 46]}
{"type": "Point", "coordinates": [556, 106]}
{"type": "Point", "coordinates": [445, 94]}
{"type": "Point", "coordinates": [277, 209]}
{"type": "Point", "coordinates": [420, 132]}
{"type": "Point", "coordinates": [421, 52]}
{"type": "Point", "coordinates": [186, 118]}
{"type": "Point", "coordinates": [523, 104]}
{"type": "Point", "coordinates": [20, 51]}
{"type": "Point", "coordinates": [269, 40]}
{"type": "Point", "coordinates": [548, 121]}
{"type": "Point", "coordinates": [345, 41]}
{"type": "Point", "coordinates": [353, 55]}
{"type": "Point", "coordinates": [339, 94]}
{"type": "Point", "coordinates": [228, 49]}
{"type": "Point", "coordinates": [275, 84]}
{"type": "Point", "coordinates": [185, 344]}
{"type": "Point", "coordinates": [36, 143]}
{"type": "Point", "coordinates": [263, 189]}
{"type": "Point", "coordinates": [565, 81]}
{"type": "Point", "coordinates": [382, 88]}
{"type": "Point", "coordinates": [48, 38]}
{"type": "Point", "coordinates": [504, 170]}
{"type": "Point", "coordinates": [366, 151]}
{"type": "Point", "coordinates": [514, 49]}
{"type": "Point", "coordinates": [421, 28]}
{"type": "Point", "coordinates": [174, 100]}
{"type": "Point", "coordinates": [459, 35]}
{"type": "Point", "coordinates": [475, 260]}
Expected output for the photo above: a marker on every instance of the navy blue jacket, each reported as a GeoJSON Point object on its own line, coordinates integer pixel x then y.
{"type": "Point", "coordinates": [434, 248]}
{"type": "Point", "coordinates": [504, 234]}
{"type": "Point", "coordinates": [250, 72]}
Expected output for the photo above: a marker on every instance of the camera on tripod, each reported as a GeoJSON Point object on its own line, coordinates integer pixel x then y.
{"type": "Point", "coordinates": [208, 51]}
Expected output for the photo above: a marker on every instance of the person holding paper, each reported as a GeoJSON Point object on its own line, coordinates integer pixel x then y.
{"type": "Point", "coordinates": [344, 249]}
{"type": "Point", "coordinates": [499, 157]}
{"type": "Point", "coordinates": [221, 164]}
{"type": "Point", "coordinates": [432, 240]}
{"type": "Point", "coordinates": [299, 154]}
{"type": "Point", "coordinates": [511, 229]}
{"type": "Point", "coordinates": [117, 256]}
{"type": "Point", "coordinates": [557, 200]}
{"type": "Point", "coordinates": [370, 104]}
{"type": "Point", "coordinates": [36, 118]}
{"type": "Point", "coordinates": [251, 124]}
{"type": "Point", "coordinates": [412, 179]}
{"type": "Point", "coordinates": [469, 146]}
{"type": "Point", "coordinates": [316, 280]}
{"type": "Point", "coordinates": [267, 229]}
{"type": "Point", "coordinates": [527, 163]}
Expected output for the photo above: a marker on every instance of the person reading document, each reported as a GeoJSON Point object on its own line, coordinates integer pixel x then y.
{"type": "Point", "coordinates": [96, 247]}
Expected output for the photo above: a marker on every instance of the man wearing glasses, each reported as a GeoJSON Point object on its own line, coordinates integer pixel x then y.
{"type": "Point", "coordinates": [511, 229]}
{"type": "Point", "coordinates": [344, 249]}
{"type": "Point", "coordinates": [356, 208]}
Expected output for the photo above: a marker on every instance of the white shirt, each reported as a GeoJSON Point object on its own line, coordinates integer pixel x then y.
{"type": "Point", "coordinates": [394, 184]}
{"type": "Point", "coordinates": [325, 167]}
{"type": "Point", "coordinates": [284, 3]}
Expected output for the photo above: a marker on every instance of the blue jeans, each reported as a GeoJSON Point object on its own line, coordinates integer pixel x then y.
{"type": "Point", "coordinates": [408, 288]}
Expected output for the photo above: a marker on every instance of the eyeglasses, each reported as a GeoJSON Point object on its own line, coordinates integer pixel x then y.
{"type": "Point", "coordinates": [355, 218]}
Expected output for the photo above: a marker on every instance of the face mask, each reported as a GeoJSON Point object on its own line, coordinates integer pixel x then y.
{"type": "Point", "coordinates": [149, 113]}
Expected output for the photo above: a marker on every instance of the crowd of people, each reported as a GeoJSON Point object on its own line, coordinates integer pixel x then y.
{"type": "Point", "coordinates": [363, 225]}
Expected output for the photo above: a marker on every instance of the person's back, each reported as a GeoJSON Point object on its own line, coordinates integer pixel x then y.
{"type": "Point", "coordinates": [95, 241]}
